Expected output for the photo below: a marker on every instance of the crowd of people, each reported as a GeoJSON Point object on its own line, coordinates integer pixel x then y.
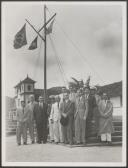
{"type": "Point", "coordinates": [68, 117]}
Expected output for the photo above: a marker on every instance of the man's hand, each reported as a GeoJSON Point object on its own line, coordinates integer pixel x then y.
{"type": "Point", "coordinates": [65, 115]}
{"type": "Point", "coordinates": [84, 117]}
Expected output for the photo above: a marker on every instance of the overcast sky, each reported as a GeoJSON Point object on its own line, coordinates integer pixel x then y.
{"type": "Point", "coordinates": [87, 38]}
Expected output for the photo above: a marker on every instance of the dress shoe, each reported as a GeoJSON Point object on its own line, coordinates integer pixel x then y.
{"type": "Point", "coordinates": [25, 143]}
{"type": "Point", "coordinates": [39, 142]}
{"type": "Point", "coordinates": [109, 143]}
{"type": "Point", "coordinates": [19, 144]}
{"type": "Point", "coordinates": [33, 142]}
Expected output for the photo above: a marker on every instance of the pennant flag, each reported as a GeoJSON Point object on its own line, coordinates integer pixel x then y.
{"type": "Point", "coordinates": [20, 38]}
{"type": "Point", "coordinates": [33, 44]}
{"type": "Point", "coordinates": [49, 29]}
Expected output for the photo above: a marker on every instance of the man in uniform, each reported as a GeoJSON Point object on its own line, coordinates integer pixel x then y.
{"type": "Point", "coordinates": [21, 124]}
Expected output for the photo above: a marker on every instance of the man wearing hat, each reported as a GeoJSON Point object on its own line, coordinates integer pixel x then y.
{"type": "Point", "coordinates": [41, 117]}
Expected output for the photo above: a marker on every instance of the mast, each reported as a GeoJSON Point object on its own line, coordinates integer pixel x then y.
{"type": "Point", "coordinates": [45, 58]}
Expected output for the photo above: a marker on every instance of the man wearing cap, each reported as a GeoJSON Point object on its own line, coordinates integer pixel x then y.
{"type": "Point", "coordinates": [41, 117]}
{"type": "Point", "coordinates": [51, 132]}
{"type": "Point", "coordinates": [105, 121]}
{"type": "Point", "coordinates": [30, 116]}
{"type": "Point", "coordinates": [80, 116]}
{"type": "Point", "coordinates": [66, 110]}
{"type": "Point", "coordinates": [21, 124]}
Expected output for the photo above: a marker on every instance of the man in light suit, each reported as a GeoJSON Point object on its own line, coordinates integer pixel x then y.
{"type": "Point", "coordinates": [80, 116]}
{"type": "Point", "coordinates": [55, 116]}
{"type": "Point", "coordinates": [21, 124]}
{"type": "Point", "coordinates": [41, 118]}
{"type": "Point", "coordinates": [30, 117]}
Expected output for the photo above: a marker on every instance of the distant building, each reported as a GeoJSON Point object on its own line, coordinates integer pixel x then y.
{"type": "Point", "coordinates": [23, 90]}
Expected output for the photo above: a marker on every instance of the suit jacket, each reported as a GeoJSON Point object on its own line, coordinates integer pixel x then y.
{"type": "Point", "coordinates": [21, 116]}
{"type": "Point", "coordinates": [55, 112]}
{"type": "Point", "coordinates": [81, 106]}
{"type": "Point", "coordinates": [91, 106]}
{"type": "Point", "coordinates": [30, 111]}
{"type": "Point", "coordinates": [67, 107]}
{"type": "Point", "coordinates": [40, 113]}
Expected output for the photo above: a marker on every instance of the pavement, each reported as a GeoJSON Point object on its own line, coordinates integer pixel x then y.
{"type": "Point", "coordinates": [60, 153]}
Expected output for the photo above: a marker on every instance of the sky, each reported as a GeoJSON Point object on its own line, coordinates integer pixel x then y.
{"type": "Point", "coordinates": [86, 38]}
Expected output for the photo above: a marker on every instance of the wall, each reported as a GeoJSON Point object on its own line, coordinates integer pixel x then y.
{"type": "Point", "coordinates": [117, 107]}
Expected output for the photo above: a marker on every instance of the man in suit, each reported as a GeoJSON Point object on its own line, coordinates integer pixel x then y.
{"type": "Point", "coordinates": [80, 116]}
{"type": "Point", "coordinates": [30, 117]}
{"type": "Point", "coordinates": [64, 90]}
{"type": "Point", "coordinates": [67, 110]}
{"type": "Point", "coordinates": [91, 105]}
{"type": "Point", "coordinates": [51, 132]}
{"type": "Point", "coordinates": [55, 116]}
{"type": "Point", "coordinates": [41, 117]}
{"type": "Point", "coordinates": [21, 124]}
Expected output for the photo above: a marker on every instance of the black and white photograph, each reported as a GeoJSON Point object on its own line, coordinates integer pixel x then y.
{"type": "Point", "coordinates": [63, 83]}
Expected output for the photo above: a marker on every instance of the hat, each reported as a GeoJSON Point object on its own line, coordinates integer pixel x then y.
{"type": "Point", "coordinates": [64, 121]}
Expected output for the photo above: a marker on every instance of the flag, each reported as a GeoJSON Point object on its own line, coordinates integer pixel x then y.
{"type": "Point", "coordinates": [20, 38]}
{"type": "Point", "coordinates": [33, 44]}
{"type": "Point", "coordinates": [49, 29]}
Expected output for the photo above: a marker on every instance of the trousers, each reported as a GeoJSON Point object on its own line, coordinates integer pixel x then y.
{"type": "Point", "coordinates": [67, 131]}
{"type": "Point", "coordinates": [21, 131]}
{"type": "Point", "coordinates": [56, 131]}
{"type": "Point", "coordinates": [51, 131]}
{"type": "Point", "coordinates": [80, 128]}
{"type": "Point", "coordinates": [30, 126]}
{"type": "Point", "coordinates": [106, 137]}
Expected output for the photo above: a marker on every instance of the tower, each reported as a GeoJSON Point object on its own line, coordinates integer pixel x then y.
{"type": "Point", "coordinates": [23, 90]}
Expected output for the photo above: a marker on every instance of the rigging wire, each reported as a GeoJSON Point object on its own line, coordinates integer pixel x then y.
{"type": "Point", "coordinates": [59, 62]}
{"type": "Point", "coordinates": [84, 59]}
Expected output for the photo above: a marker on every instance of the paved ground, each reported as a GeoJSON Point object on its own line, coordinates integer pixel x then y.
{"type": "Point", "coordinates": [57, 153]}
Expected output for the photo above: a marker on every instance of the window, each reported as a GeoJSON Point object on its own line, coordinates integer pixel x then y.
{"type": "Point", "coordinates": [29, 87]}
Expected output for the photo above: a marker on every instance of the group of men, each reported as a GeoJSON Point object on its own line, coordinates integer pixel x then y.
{"type": "Point", "coordinates": [68, 118]}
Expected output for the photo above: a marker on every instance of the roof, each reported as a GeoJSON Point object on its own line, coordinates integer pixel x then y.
{"type": "Point", "coordinates": [26, 80]}
{"type": "Point", "coordinates": [113, 90]}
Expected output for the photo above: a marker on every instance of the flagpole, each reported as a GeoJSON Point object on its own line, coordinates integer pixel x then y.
{"type": "Point", "coordinates": [45, 58]}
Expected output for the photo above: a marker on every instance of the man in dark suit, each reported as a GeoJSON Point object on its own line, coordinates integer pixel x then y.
{"type": "Point", "coordinates": [67, 110]}
{"type": "Point", "coordinates": [41, 117]}
{"type": "Point", "coordinates": [91, 105]}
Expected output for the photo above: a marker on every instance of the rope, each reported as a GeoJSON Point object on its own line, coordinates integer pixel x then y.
{"type": "Point", "coordinates": [75, 46]}
{"type": "Point", "coordinates": [59, 62]}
